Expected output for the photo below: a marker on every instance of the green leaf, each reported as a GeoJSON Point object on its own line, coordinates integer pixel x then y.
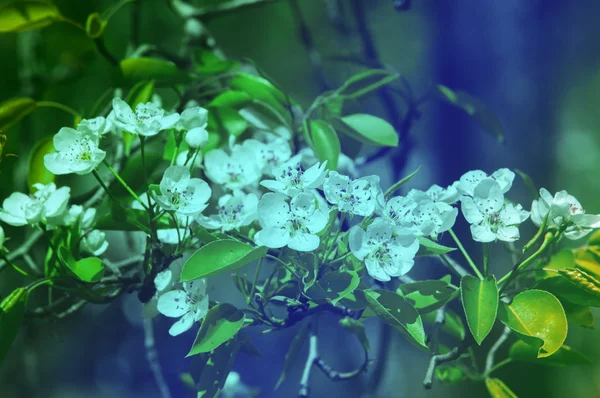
{"type": "Point", "coordinates": [566, 290]}
{"type": "Point", "coordinates": [140, 93]}
{"type": "Point", "coordinates": [137, 69]}
{"type": "Point", "coordinates": [220, 325]}
{"type": "Point", "coordinates": [450, 375]}
{"type": "Point", "coordinates": [538, 314]}
{"type": "Point", "coordinates": [358, 329]}
{"type": "Point", "coordinates": [356, 300]}
{"type": "Point", "coordinates": [95, 25]}
{"type": "Point", "coordinates": [15, 109]}
{"type": "Point", "coordinates": [227, 120]}
{"type": "Point", "coordinates": [293, 353]}
{"type": "Point", "coordinates": [232, 99]}
{"type": "Point", "coordinates": [396, 311]}
{"type": "Point", "coordinates": [12, 312]}
{"type": "Point", "coordinates": [365, 82]}
{"type": "Point", "coordinates": [220, 256]}
{"type": "Point", "coordinates": [22, 15]}
{"type": "Point", "coordinates": [260, 89]}
{"type": "Point", "coordinates": [367, 129]}
{"type": "Point", "coordinates": [334, 286]}
{"type": "Point", "coordinates": [453, 325]}
{"type": "Point", "coordinates": [565, 356]}
{"type": "Point", "coordinates": [88, 269]}
{"type": "Point", "coordinates": [325, 143]}
{"type": "Point", "coordinates": [214, 367]}
{"type": "Point", "coordinates": [498, 389]}
{"type": "Point", "coordinates": [486, 120]}
{"type": "Point", "coordinates": [427, 296]}
{"type": "Point", "coordinates": [37, 172]}
{"type": "Point", "coordinates": [431, 248]}
{"type": "Point", "coordinates": [208, 63]}
{"type": "Point", "coordinates": [579, 315]}
{"type": "Point", "coordinates": [480, 302]}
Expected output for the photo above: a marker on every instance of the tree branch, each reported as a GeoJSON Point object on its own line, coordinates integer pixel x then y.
{"type": "Point", "coordinates": [489, 361]}
{"type": "Point", "coordinates": [439, 359]}
{"type": "Point", "coordinates": [152, 357]}
{"type": "Point", "coordinates": [313, 355]}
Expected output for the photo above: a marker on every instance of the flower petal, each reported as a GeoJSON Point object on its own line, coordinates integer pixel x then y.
{"type": "Point", "coordinates": [173, 304]}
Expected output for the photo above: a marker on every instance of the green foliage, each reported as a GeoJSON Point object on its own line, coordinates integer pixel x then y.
{"type": "Point", "coordinates": [333, 286]}
{"type": "Point", "coordinates": [367, 129]}
{"type": "Point", "coordinates": [325, 143]}
{"type": "Point", "coordinates": [453, 324]}
{"type": "Point", "coordinates": [480, 302]}
{"type": "Point", "coordinates": [538, 317]}
{"type": "Point", "coordinates": [227, 121]}
{"type": "Point", "coordinates": [145, 69]}
{"type": "Point", "coordinates": [12, 311]}
{"type": "Point", "coordinates": [450, 375]}
{"type": "Point", "coordinates": [219, 326]}
{"type": "Point", "coordinates": [358, 329]}
{"type": "Point", "coordinates": [498, 389]}
{"type": "Point", "coordinates": [22, 15]}
{"type": "Point", "coordinates": [431, 248]}
{"type": "Point", "coordinates": [484, 117]}
{"type": "Point", "coordinates": [15, 109]}
{"type": "Point", "coordinates": [396, 311]}
{"type": "Point", "coordinates": [37, 172]}
{"type": "Point", "coordinates": [220, 256]}
{"type": "Point", "coordinates": [427, 296]}
{"type": "Point", "coordinates": [564, 356]}
{"type": "Point", "coordinates": [88, 269]}
{"type": "Point", "coordinates": [95, 25]}
{"type": "Point", "coordinates": [214, 368]}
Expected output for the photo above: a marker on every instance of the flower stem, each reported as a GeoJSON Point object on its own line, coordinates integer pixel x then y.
{"type": "Point", "coordinates": [286, 266]}
{"type": "Point", "coordinates": [19, 270]}
{"type": "Point", "coordinates": [548, 239]}
{"type": "Point", "coordinates": [52, 104]}
{"type": "Point", "coordinates": [103, 185]}
{"type": "Point", "coordinates": [487, 251]}
{"type": "Point", "coordinates": [256, 275]}
{"type": "Point", "coordinates": [127, 187]}
{"type": "Point", "coordinates": [464, 252]}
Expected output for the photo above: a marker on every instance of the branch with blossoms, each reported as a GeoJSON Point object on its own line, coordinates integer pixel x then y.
{"type": "Point", "coordinates": [236, 175]}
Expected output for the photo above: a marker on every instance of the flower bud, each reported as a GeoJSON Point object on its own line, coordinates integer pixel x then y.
{"type": "Point", "coordinates": [196, 138]}
{"type": "Point", "coordinates": [94, 243]}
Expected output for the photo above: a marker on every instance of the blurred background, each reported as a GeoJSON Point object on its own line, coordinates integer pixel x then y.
{"type": "Point", "coordinates": [535, 64]}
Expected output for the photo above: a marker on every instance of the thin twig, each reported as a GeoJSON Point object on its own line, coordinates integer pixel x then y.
{"type": "Point", "coordinates": [313, 355]}
{"type": "Point", "coordinates": [489, 361]}
{"type": "Point", "coordinates": [434, 338]}
{"type": "Point", "coordinates": [439, 359]}
{"type": "Point", "coordinates": [152, 357]}
{"type": "Point", "coordinates": [453, 266]}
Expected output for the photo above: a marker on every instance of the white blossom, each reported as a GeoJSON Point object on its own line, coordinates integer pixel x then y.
{"type": "Point", "coordinates": [164, 281]}
{"type": "Point", "coordinates": [346, 164]}
{"type": "Point", "coordinates": [76, 152]}
{"type": "Point", "coordinates": [271, 150]}
{"type": "Point", "coordinates": [191, 304]}
{"type": "Point", "coordinates": [238, 170]}
{"type": "Point", "coordinates": [234, 211]}
{"type": "Point", "coordinates": [563, 211]}
{"type": "Point", "coordinates": [291, 178]}
{"type": "Point", "coordinates": [490, 218]}
{"type": "Point", "coordinates": [182, 159]}
{"type": "Point", "coordinates": [47, 204]}
{"type": "Point", "coordinates": [467, 183]}
{"type": "Point", "coordinates": [147, 120]}
{"type": "Point", "coordinates": [194, 120]}
{"type": "Point", "coordinates": [385, 255]}
{"type": "Point", "coordinates": [433, 214]}
{"type": "Point", "coordinates": [97, 126]}
{"type": "Point", "coordinates": [182, 194]}
{"type": "Point", "coordinates": [293, 224]}
{"type": "Point", "coordinates": [361, 196]}
{"type": "Point", "coordinates": [94, 243]}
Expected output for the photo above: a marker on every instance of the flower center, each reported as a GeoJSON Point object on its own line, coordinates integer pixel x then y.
{"type": "Point", "coordinates": [292, 175]}
{"type": "Point", "coordinates": [81, 150]}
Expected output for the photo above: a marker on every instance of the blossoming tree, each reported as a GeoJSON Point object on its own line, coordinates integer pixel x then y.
{"type": "Point", "coordinates": [244, 178]}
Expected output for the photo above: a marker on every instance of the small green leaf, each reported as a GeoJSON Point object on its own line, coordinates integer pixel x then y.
{"type": "Point", "coordinates": [220, 325]}
{"type": "Point", "coordinates": [498, 389]}
{"type": "Point", "coordinates": [334, 286]}
{"type": "Point", "coordinates": [12, 311]}
{"type": "Point", "coordinates": [37, 172]}
{"type": "Point", "coordinates": [208, 63]}
{"type": "Point", "coordinates": [260, 89]}
{"type": "Point", "coordinates": [358, 329]}
{"type": "Point", "coordinates": [480, 302]}
{"type": "Point", "coordinates": [367, 129]}
{"type": "Point", "coordinates": [579, 315]}
{"type": "Point", "coordinates": [140, 93]}
{"type": "Point", "coordinates": [219, 256]}
{"type": "Point", "coordinates": [214, 368]}
{"type": "Point", "coordinates": [427, 296]}
{"type": "Point", "coordinates": [232, 99]}
{"type": "Point", "coordinates": [325, 142]}
{"type": "Point", "coordinates": [227, 120]}
{"type": "Point", "coordinates": [396, 311]}
{"type": "Point", "coordinates": [453, 325]}
{"type": "Point", "coordinates": [22, 15]}
{"type": "Point", "coordinates": [474, 108]}
{"type": "Point", "coordinates": [293, 353]}
{"type": "Point", "coordinates": [431, 248]}
{"type": "Point", "coordinates": [365, 82]}
{"type": "Point", "coordinates": [88, 269]}
{"type": "Point", "coordinates": [138, 69]}
{"type": "Point", "coordinates": [95, 25]}
{"type": "Point", "coordinates": [15, 109]}
{"type": "Point", "coordinates": [565, 356]}
{"type": "Point", "coordinates": [450, 375]}
{"type": "Point", "coordinates": [537, 314]}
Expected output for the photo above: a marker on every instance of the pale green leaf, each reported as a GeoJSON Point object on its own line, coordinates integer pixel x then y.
{"type": "Point", "coordinates": [219, 326]}
{"type": "Point", "coordinates": [480, 302]}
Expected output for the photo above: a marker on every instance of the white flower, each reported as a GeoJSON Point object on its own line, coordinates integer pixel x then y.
{"type": "Point", "coordinates": [194, 120]}
{"type": "Point", "coordinates": [236, 171]}
{"type": "Point", "coordinates": [191, 304]}
{"type": "Point", "coordinates": [164, 281]}
{"type": "Point", "coordinates": [294, 225]}
{"type": "Point", "coordinates": [76, 152]}
{"type": "Point", "coordinates": [97, 126]}
{"type": "Point", "coordinates": [291, 178]}
{"type": "Point", "coordinates": [385, 256]}
{"type": "Point", "coordinates": [438, 194]}
{"type": "Point", "coordinates": [361, 196]}
{"type": "Point", "coordinates": [182, 194]}
{"type": "Point", "coordinates": [398, 213]}
{"type": "Point", "coordinates": [563, 211]}
{"type": "Point", "coordinates": [148, 119]}
{"type": "Point", "coordinates": [235, 211]}
{"type": "Point", "coordinates": [234, 387]}
{"type": "Point", "coordinates": [196, 138]}
{"type": "Point", "coordinates": [489, 217]}
{"type": "Point", "coordinates": [433, 215]}
{"type": "Point", "coordinates": [94, 243]}
{"type": "Point", "coordinates": [47, 203]}
{"type": "Point", "coordinates": [467, 183]}
{"type": "Point", "coordinates": [182, 159]}
{"type": "Point", "coordinates": [346, 164]}
{"type": "Point", "coordinates": [271, 150]}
